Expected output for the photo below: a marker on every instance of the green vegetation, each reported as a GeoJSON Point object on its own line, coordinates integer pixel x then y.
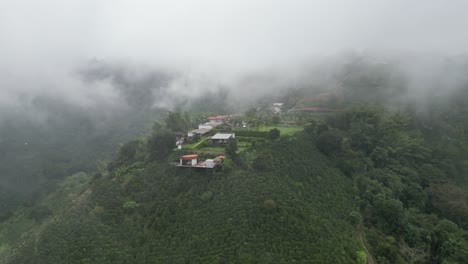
{"type": "Point", "coordinates": [361, 257]}
{"type": "Point", "coordinates": [285, 130]}
{"type": "Point", "coordinates": [178, 121]}
{"type": "Point", "coordinates": [280, 213]}
{"type": "Point", "coordinates": [262, 131]}
{"type": "Point", "coordinates": [377, 173]}
{"type": "Point", "coordinates": [38, 153]}
{"type": "Point", "coordinates": [219, 149]}
{"type": "Point", "coordinates": [30, 221]}
{"type": "Point", "coordinates": [406, 184]}
{"type": "Point", "coordinates": [200, 144]}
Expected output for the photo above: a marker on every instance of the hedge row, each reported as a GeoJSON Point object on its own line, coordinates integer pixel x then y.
{"type": "Point", "coordinates": [250, 139]}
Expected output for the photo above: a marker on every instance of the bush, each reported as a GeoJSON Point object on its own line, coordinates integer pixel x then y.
{"type": "Point", "coordinates": [263, 162]}
{"type": "Point", "coordinates": [160, 144]}
{"type": "Point", "coordinates": [274, 134]}
{"type": "Point", "coordinates": [227, 165]}
{"type": "Point", "coordinates": [310, 128]}
{"type": "Point", "coordinates": [329, 142]}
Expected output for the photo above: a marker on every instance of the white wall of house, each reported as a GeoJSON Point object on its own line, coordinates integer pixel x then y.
{"type": "Point", "coordinates": [216, 121]}
{"type": "Point", "coordinates": [193, 162]}
{"type": "Point", "coordinates": [209, 163]}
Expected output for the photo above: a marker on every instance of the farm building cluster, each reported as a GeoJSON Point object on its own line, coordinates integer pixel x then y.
{"type": "Point", "coordinates": [204, 129]}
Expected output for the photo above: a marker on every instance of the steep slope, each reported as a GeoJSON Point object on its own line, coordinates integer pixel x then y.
{"type": "Point", "coordinates": [293, 207]}
{"type": "Point", "coordinates": [410, 182]}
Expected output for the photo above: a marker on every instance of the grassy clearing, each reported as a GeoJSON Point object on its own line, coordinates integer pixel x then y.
{"type": "Point", "coordinates": [189, 146]}
{"type": "Point", "coordinates": [289, 130]}
{"type": "Point", "coordinates": [196, 144]}
{"type": "Point", "coordinates": [220, 149]}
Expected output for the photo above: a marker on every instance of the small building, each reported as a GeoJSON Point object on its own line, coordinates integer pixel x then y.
{"type": "Point", "coordinates": [189, 160]}
{"type": "Point", "coordinates": [201, 132]}
{"type": "Point", "coordinates": [217, 120]}
{"type": "Point", "coordinates": [209, 163]}
{"type": "Point", "coordinates": [277, 108]}
{"type": "Point", "coordinates": [222, 138]}
{"type": "Point", "coordinates": [206, 126]}
{"type": "Point", "coordinates": [192, 161]}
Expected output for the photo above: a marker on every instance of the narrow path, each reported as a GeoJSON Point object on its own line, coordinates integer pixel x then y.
{"type": "Point", "coordinates": [370, 259]}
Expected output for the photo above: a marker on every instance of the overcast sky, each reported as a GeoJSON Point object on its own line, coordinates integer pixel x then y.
{"type": "Point", "coordinates": [43, 42]}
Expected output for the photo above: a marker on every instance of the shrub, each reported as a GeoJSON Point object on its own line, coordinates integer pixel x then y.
{"type": "Point", "coordinates": [274, 134]}
{"type": "Point", "coordinates": [329, 142]}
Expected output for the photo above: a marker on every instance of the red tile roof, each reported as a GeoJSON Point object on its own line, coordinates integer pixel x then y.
{"type": "Point", "coordinates": [189, 157]}
{"type": "Point", "coordinates": [217, 117]}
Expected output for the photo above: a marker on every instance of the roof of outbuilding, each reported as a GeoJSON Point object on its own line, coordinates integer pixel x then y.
{"type": "Point", "coordinates": [201, 131]}
{"type": "Point", "coordinates": [189, 157]}
{"type": "Point", "coordinates": [222, 136]}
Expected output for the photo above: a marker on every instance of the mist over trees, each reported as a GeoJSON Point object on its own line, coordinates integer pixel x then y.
{"type": "Point", "coordinates": [92, 93]}
{"type": "Point", "coordinates": [47, 124]}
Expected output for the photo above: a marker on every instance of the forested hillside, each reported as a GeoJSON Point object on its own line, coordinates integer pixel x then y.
{"type": "Point", "coordinates": [294, 206]}
{"type": "Point", "coordinates": [45, 138]}
{"type": "Point", "coordinates": [390, 170]}
{"type": "Point", "coordinates": [207, 131]}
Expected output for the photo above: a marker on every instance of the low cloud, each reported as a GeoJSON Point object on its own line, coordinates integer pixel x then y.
{"type": "Point", "coordinates": [106, 54]}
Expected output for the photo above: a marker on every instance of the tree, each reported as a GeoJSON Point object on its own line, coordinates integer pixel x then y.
{"type": "Point", "coordinates": [311, 126]}
{"type": "Point", "coordinates": [450, 200]}
{"type": "Point", "coordinates": [160, 143]}
{"type": "Point", "coordinates": [263, 161]}
{"type": "Point", "coordinates": [231, 149]}
{"type": "Point", "coordinates": [177, 121]}
{"type": "Point", "coordinates": [274, 134]}
{"type": "Point", "coordinates": [391, 213]}
{"type": "Point", "coordinates": [330, 142]}
{"type": "Point", "coordinates": [354, 217]}
{"type": "Point", "coordinates": [127, 152]}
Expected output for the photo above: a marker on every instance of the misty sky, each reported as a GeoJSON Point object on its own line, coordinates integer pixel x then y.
{"type": "Point", "coordinates": [43, 43]}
